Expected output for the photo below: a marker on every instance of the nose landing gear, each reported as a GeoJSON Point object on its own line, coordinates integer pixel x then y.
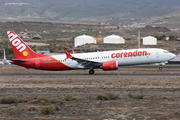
{"type": "Point", "coordinates": [160, 67]}
{"type": "Point", "coordinates": [91, 71]}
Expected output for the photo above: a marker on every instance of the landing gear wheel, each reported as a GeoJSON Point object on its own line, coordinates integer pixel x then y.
{"type": "Point", "coordinates": [160, 68]}
{"type": "Point", "coordinates": [91, 72]}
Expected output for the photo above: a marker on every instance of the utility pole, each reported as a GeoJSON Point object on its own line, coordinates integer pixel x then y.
{"type": "Point", "coordinates": [139, 38]}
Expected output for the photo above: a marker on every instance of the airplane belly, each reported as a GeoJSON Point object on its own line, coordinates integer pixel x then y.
{"type": "Point", "coordinates": [134, 61]}
{"type": "Point", "coordinates": [55, 66]}
{"type": "Point", "coordinates": [46, 64]}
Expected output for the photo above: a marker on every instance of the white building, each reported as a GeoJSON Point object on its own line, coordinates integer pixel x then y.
{"type": "Point", "coordinates": [114, 39]}
{"type": "Point", "coordinates": [83, 39]}
{"type": "Point", "coordinates": [149, 40]}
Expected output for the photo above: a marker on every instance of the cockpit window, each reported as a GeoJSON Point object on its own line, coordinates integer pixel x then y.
{"type": "Point", "coordinates": [166, 52]}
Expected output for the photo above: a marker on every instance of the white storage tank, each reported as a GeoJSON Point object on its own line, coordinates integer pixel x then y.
{"type": "Point", "coordinates": [114, 39]}
{"type": "Point", "coordinates": [149, 40]}
{"type": "Point", "coordinates": [83, 39]}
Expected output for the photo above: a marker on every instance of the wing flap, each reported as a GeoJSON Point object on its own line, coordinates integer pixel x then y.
{"type": "Point", "coordinates": [86, 63]}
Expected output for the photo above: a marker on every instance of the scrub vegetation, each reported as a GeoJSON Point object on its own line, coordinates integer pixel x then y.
{"type": "Point", "coordinates": [107, 96]}
{"type": "Point", "coordinates": [137, 96]}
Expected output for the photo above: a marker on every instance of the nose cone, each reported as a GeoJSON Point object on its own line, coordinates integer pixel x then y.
{"type": "Point", "coordinates": [172, 56]}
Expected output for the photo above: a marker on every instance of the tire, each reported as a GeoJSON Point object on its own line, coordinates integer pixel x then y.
{"type": "Point", "coordinates": [160, 68]}
{"type": "Point", "coordinates": [91, 72]}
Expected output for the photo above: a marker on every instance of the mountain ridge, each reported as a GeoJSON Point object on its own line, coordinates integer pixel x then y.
{"type": "Point", "coordinates": [58, 9]}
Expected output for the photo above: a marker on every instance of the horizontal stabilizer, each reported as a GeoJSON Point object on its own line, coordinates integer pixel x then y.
{"type": "Point", "coordinates": [15, 60]}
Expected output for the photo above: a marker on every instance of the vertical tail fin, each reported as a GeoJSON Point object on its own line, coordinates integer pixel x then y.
{"type": "Point", "coordinates": [21, 50]}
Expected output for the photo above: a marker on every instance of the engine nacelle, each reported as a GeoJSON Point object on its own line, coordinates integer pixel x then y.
{"type": "Point", "coordinates": [110, 65]}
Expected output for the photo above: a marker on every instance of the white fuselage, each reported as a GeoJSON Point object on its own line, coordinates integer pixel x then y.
{"type": "Point", "coordinates": [123, 57]}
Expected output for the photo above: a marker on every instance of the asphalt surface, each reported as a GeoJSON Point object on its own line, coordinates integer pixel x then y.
{"type": "Point", "coordinates": [131, 66]}
{"type": "Point", "coordinates": [99, 75]}
{"type": "Point", "coordinates": [88, 75]}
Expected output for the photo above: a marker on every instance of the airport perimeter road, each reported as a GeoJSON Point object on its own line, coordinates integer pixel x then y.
{"type": "Point", "coordinates": [94, 75]}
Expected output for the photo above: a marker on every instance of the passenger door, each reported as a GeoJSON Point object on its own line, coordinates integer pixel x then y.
{"type": "Point", "coordinates": [37, 63]}
{"type": "Point", "coordinates": [157, 54]}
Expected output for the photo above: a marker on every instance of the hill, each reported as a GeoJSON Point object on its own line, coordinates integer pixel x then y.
{"type": "Point", "coordinates": [158, 29]}
{"type": "Point", "coordinates": [56, 10]}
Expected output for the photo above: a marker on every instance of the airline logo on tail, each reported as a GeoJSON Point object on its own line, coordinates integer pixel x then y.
{"type": "Point", "coordinates": [16, 42]}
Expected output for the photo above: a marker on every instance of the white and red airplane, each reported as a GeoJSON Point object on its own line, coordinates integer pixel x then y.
{"type": "Point", "coordinates": [107, 60]}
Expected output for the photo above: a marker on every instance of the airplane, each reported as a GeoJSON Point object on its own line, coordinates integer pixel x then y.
{"type": "Point", "coordinates": [106, 60]}
{"type": "Point", "coordinates": [5, 61]}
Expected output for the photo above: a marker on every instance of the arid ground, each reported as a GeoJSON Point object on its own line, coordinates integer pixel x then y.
{"type": "Point", "coordinates": [161, 94]}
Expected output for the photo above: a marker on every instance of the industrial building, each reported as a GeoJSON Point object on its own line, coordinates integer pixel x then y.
{"type": "Point", "coordinates": [114, 39]}
{"type": "Point", "coordinates": [83, 39]}
{"type": "Point", "coordinates": [149, 40]}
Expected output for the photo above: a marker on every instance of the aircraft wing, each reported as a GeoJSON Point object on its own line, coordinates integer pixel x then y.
{"type": "Point", "coordinates": [85, 63]}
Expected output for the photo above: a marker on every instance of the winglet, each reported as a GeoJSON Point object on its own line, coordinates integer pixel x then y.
{"type": "Point", "coordinates": [73, 51]}
{"type": "Point", "coordinates": [68, 55]}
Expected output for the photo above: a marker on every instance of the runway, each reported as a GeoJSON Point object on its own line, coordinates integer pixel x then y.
{"type": "Point", "coordinates": [131, 66]}
{"type": "Point", "coordinates": [94, 75]}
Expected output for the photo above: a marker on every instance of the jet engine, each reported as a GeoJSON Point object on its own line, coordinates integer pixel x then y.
{"type": "Point", "coordinates": [110, 65]}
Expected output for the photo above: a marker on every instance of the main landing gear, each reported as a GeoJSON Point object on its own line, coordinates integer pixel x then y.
{"type": "Point", "coordinates": [91, 71]}
{"type": "Point", "coordinates": [160, 67]}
